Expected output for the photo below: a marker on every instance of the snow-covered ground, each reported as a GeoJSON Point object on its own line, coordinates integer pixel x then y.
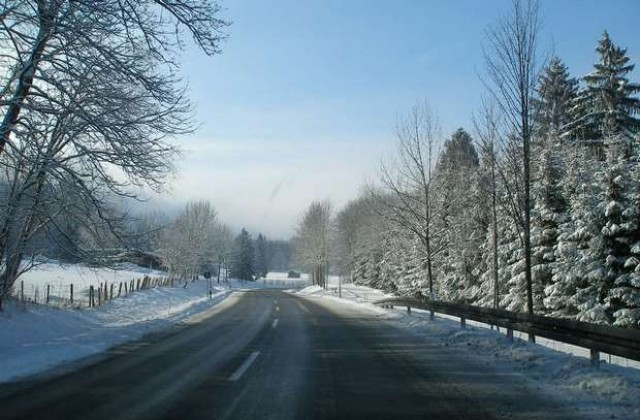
{"type": "Point", "coordinates": [611, 391]}
{"type": "Point", "coordinates": [282, 281]}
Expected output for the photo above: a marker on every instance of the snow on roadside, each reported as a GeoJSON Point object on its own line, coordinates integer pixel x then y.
{"type": "Point", "coordinates": [611, 391]}
{"type": "Point", "coordinates": [41, 337]}
{"type": "Point", "coordinates": [309, 290]}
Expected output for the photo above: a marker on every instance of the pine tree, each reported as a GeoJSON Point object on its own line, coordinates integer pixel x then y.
{"type": "Point", "coordinates": [620, 238]}
{"type": "Point", "coordinates": [556, 95]}
{"type": "Point", "coordinates": [242, 266]}
{"type": "Point", "coordinates": [578, 286]}
{"type": "Point", "coordinates": [456, 180]}
{"type": "Point", "coordinates": [607, 106]}
{"type": "Point", "coordinates": [549, 212]}
{"type": "Point", "coordinates": [261, 258]}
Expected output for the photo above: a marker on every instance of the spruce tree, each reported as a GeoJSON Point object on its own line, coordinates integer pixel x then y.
{"type": "Point", "coordinates": [556, 95]}
{"type": "Point", "coordinates": [582, 277]}
{"type": "Point", "coordinates": [261, 257]}
{"type": "Point", "coordinates": [456, 180]}
{"type": "Point", "coordinates": [607, 106]}
{"type": "Point", "coordinates": [242, 266]}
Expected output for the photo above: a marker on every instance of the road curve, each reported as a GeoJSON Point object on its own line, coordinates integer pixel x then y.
{"type": "Point", "coordinates": [273, 355]}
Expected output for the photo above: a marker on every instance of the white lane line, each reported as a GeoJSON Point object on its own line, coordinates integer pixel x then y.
{"type": "Point", "coordinates": [275, 323]}
{"type": "Point", "coordinates": [277, 309]}
{"type": "Point", "coordinates": [244, 366]}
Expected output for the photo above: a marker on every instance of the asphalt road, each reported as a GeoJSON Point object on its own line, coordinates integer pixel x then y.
{"type": "Point", "coordinates": [271, 355]}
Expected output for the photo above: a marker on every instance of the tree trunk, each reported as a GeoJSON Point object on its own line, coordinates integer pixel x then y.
{"type": "Point", "coordinates": [494, 238]}
{"type": "Point", "coordinates": [25, 80]}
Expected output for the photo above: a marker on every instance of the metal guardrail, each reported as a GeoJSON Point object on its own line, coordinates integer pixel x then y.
{"type": "Point", "coordinates": [597, 338]}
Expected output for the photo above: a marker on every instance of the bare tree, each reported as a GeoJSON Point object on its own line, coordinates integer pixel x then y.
{"type": "Point", "coordinates": [409, 192]}
{"type": "Point", "coordinates": [224, 248]}
{"type": "Point", "coordinates": [189, 242]}
{"type": "Point", "coordinates": [312, 240]}
{"type": "Point", "coordinates": [487, 132]}
{"type": "Point", "coordinates": [360, 228]}
{"type": "Point", "coordinates": [37, 36]}
{"type": "Point", "coordinates": [511, 60]}
{"type": "Point", "coordinates": [88, 98]}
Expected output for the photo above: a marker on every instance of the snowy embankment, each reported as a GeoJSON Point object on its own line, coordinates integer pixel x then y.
{"type": "Point", "coordinates": [34, 338]}
{"type": "Point", "coordinates": [611, 391]}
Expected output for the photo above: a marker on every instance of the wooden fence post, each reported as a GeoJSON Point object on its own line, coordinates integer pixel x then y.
{"type": "Point", "coordinates": [408, 310]}
{"type": "Point", "coordinates": [463, 322]}
{"type": "Point", "coordinates": [91, 296]}
{"type": "Point", "coordinates": [138, 284]}
{"type": "Point", "coordinates": [71, 293]}
{"type": "Point", "coordinates": [532, 338]}
{"type": "Point", "coordinates": [120, 289]}
{"type": "Point", "coordinates": [48, 293]}
{"type": "Point", "coordinates": [100, 294]}
{"type": "Point", "coordinates": [510, 334]}
{"type": "Point", "coordinates": [595, 358]}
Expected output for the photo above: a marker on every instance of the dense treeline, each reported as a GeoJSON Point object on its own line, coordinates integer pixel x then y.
{"type": "Point", "coordinates": [196, 241]}
{"type": "Point", "coordinates": [448, 219]}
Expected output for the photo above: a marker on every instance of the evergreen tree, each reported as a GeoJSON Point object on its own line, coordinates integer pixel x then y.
{"type": "Point", "coordinates": [556, 95]}
{"type": "Point", "coordinates": [261, 258]}
{"type": "Point", "coordinates": [549, 212]}
{"type": "Point", "coordinates": [624, 298]}
{"type": "Point", "coordinates": [607, 106]}
{"type": "Point", "coordinates": [620, 290]}
{"type": "Point", "coordinates": [456, 181]}
{"type": "Point", "coordinates": [242, 265]}
{"type": "Point", "coordinates": [578, 251]}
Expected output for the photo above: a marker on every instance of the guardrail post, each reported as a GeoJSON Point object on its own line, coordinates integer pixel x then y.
{"type": "Point", "coordinates": [532, 338]}
{"type": "Point", "coordinates": [463, 323]}
{"type": "Point", "coordinates": [595, 358]}
{"type": "Point", "coordinates": [432, 315]}
{"type": "Point", "coordinates": [510, 334]}
{"type": "Point", "coordinates": [408, 310]}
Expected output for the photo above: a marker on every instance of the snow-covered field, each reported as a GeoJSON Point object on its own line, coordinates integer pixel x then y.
{"type": "Point", "coordinates": [611, 391]}
{"type": "Point", "coordinates": [282, 281]}
{"type": "Point", "coordinates": [59, 278]}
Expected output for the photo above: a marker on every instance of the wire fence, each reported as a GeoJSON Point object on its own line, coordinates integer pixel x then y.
{"type": "Point", "coordinates": [65, 295]}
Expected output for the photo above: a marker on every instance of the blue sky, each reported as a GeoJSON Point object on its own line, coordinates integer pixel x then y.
{"type": "Point", "coordinates": [303, 102]}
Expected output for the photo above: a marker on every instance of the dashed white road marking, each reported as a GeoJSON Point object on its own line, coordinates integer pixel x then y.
{"type": "Point", "coordinates": [275, 323]}
{"type": "Point", "coordinates": [277, 309]}
{"type": "Point", "coordinates": [244, 366]}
